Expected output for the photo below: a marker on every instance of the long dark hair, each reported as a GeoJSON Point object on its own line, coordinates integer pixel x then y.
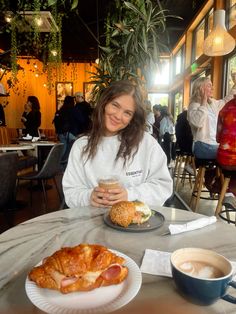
{"type": "Point", "coordinates": [130, 136]}
{"type": "Point", "coordinates": [68, 103]}
{"type": "Point", "coordinates": [34, 103]}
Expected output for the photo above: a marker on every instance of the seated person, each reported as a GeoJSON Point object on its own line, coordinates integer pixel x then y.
{"type": "Point", "coordinates": [202, 116]}
{"type": "Point", "coordinates": [184, 137]}
{"type": "Point", "coordinates": [117, 145]}
{"type": "Point", "coordinates": [226, 154]}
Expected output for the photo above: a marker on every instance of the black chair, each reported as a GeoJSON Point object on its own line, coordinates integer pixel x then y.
{"type": "Point", "coordinates": [50, 169]}
{"type": "Point", "coordinates": [8, 170]}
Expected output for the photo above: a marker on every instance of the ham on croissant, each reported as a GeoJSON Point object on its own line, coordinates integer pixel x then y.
{"type": "Point", "coordinates": [80, 268]}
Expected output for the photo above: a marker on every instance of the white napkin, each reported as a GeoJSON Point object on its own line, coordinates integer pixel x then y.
{"type": "Point", "coordinates": [192, 225]}
{"type": "Point", "coordinates": [158, 263]}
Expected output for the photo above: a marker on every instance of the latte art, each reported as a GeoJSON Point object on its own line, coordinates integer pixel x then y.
{"type": "Point", "coordinates": [200, 270]}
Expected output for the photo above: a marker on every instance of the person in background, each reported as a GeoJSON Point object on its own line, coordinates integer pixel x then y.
{"type": "Point", "coordinates": [167, 134]}
{"type": "Point", "coordinates": [27, 109]}
{"type": "Point", "coordinates": [32, 120]}
{"type": "Point", "coordinates": [226, 153]}
{"type": "Point", "coordinates": [82, 115]}
{"type": "Point", "coordinates": [63, 122]}
{"type": "Point", "coordinates": [183, 132]}
{"type": "Point", "coordinates": [150, 118]}
{"type": "Point", "coordinates": [2, 116]}
{"type": "Point", "coordinates": [117, 145]}
{"type": "Point", "coordinates": [202, 116]}
{"type": "Point", "coordinates": [156, 125]}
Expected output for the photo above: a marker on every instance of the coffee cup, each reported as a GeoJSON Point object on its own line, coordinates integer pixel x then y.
{"type": "Point", "coordinates": [108, 183]}
{"type": "Point", "coordinates": [201, 275]}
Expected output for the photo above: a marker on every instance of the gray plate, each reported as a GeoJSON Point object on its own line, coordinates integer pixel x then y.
{"type": "Point", "coordinates": [154, 222]}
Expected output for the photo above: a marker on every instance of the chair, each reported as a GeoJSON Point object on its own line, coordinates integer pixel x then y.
{"type": "Point", "coordinates": [180, 172]}
{"type": "Point", "coordinates": [8, 170]}
{"type": "Point", "coordinates": [50, 169]}
{"type": "Point", "coordinates": [226, 173]}
{"type": "Point", "coordinates": [202, 165]}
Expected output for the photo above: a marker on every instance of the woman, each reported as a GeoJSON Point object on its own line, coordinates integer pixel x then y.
{"type": "Point", "coordinates": [117, 145]}
{"type": "Point", "coordinates": [32, 120]}
{"type": "Point", "coordinates": [63, 122]}
{"type": "Point", "coordinates": [202, 115]}
{"type": "Point", "coordinates": [226, 154]}
{"type": "Point", "coordinates": [150, 118]}
{"type": "Point", "coordinates": [167, 134]}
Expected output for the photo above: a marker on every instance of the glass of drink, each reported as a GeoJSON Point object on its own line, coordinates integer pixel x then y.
{"type": "Point", "coordinates": [108, 183]}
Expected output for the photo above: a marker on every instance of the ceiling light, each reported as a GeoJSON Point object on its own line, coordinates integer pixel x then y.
{"type": "Point", "coordinates": [219, 42]}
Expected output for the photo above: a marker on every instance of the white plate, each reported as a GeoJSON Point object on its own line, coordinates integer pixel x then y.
{"type": "Point", "coordinates": [101, 300]}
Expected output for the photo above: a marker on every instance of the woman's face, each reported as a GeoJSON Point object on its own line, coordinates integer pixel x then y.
{"type": "Point", "coordinates": [118, 114]}
{"type": "Point", "coordinates": [208, 89]}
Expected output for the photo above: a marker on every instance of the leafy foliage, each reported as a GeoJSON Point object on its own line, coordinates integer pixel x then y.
{"type": "Point", "coordinates": [133, 43]}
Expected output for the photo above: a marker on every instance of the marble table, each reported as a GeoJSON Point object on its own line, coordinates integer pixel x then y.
{"type": "Point", "coordinates": [16, 147]}
{"type": "Point", "coordinates": [25, 245]}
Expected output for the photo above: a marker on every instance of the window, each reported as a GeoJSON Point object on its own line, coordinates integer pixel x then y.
{"type": "Point", "coordinates": [178, 61]}
{"type": "Point", "coordinates": [231, 68]}
{"type": "Point", "coordinates": [158, 99]}
{"type": "Point", "coordinates": [200, 33]}
{"type": "Point", "coordinates": [232, 13]}
{"type": "Point", "coordinates": [199, 40]}
{"type": "Point", "coordinates": [178, 103]}
{"type": "Point", "coordinates": [162, 77]}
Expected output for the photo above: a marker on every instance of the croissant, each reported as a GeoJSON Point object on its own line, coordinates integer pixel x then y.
{"type": "Point", "coordinates": [80, 268]}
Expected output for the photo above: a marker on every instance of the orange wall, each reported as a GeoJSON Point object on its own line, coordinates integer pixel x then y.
{"type": "Point", "coordinates": [30, 84]}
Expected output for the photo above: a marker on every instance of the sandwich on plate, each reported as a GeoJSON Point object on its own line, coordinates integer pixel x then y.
{"type": "Point", "coordinates": [125, 213]}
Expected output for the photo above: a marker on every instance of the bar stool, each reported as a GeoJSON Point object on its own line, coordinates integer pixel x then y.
{"type": "Point", "coordinates": [202, 165]}
{"type": "Point", "coordinates": [180, 173]}
{"type": "Point", "coordinates": [226, 174]}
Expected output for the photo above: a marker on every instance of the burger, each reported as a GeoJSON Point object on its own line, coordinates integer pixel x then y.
{"type": "Point", "coordinates": [125, 213]}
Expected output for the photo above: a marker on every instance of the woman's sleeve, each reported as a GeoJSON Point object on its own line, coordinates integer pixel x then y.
{"type": "Point", "coordinates": [197, 114]}
{"type": "Point", "coordinates": [75, 186]}
{"type": "Point", "coordinates": [158, 186]}
{"type": "Point", "coordinates": [220, 103]}
{"type": "Point", "coordinates": [162, 127]}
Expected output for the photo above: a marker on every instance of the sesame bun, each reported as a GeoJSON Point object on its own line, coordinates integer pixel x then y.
{"type": "Point", "coordinates": [124, 213]}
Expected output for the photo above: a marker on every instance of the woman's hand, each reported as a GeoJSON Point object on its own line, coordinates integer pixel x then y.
{"type": "Point", "coordinates": [204, 96]}
{"type": "Point", "coordinates": [105, 198]}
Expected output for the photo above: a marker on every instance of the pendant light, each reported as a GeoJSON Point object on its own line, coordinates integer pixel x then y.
{"type": "Point", "coordinates": [219, 42]}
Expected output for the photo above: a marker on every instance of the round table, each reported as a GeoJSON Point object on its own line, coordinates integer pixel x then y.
{"type": "Point", "coordinates": [16, 147]}
{"type": "Point", "coordinates": [23, 246]}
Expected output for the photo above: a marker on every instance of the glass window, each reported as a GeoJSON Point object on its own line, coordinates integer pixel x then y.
{"type": "Point", "coordinates": [162, 77]}
{"type": "Point", "coordinates": [178, 104]}
{"type": "Point", "coordinates": [158, 99]}
{"type": "Point", "coordinates": [178, 61]}
{"type": "Point", "coordinates": [199, 40]}
{"type": "Point", "coordinates": [200, 33]}
{"type": "Point", "coordinates": [231, 68]}
{"type": "Point", "coordinates": [210, 22]}
{"type": "Point", "coordinates": [232, 13]}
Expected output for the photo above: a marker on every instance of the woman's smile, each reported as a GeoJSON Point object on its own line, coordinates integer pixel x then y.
{"type": "Point", "coordinates": [118, 114]}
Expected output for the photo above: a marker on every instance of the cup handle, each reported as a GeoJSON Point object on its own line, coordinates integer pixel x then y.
{"type": "Point", "coordinates": [229, 297]}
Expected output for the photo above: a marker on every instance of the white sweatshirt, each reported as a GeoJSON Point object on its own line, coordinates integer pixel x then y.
{"type": "Point", "coordinates": [146, 177]}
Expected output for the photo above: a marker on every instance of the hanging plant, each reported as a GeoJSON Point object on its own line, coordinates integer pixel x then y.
{"type": "Point", "coordinates": [14, 66]}
{"type": "Point", "coordinates": [133, 43]}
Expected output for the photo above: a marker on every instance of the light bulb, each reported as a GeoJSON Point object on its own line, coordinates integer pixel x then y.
{"type": "Point", "coordinates": [219, 42]}
{"type": "Point", "coordinates": [38, 21]}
